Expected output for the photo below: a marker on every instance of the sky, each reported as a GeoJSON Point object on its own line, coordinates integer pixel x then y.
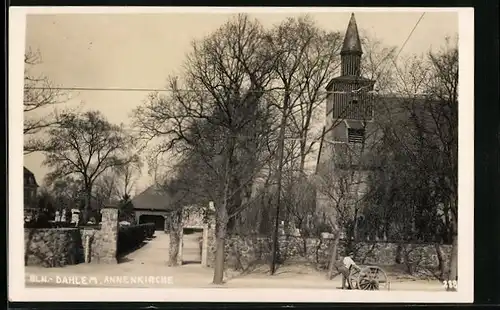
{"type": "Point", "coordinates": [141, 50]}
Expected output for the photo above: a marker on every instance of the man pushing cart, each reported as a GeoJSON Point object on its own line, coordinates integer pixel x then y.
{"type": "Point", "coordinates": [345, 267]}
{"type": "Point", "coordinates": [363, 278]}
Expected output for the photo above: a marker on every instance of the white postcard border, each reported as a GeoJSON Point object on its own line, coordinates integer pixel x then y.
{"type": "Point", "coordinates": [16, 273]}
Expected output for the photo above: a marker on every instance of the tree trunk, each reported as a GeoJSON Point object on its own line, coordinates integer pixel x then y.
{"type": "Point", "coordinates": [231, 225]}
{"type": "Point", "coordinates": [174, 248]}
{"type": "Point", "coordinates": [88, 201]}
{"type": "Point", "coordinates": [275, 245]}
{"type": "Point", "coordinates": [442, 264]}
{"type": "Point", "coordinates": [399, 254]}
{"type": "Point", "coordinates": [453, 267]}
{"type": "Point", "coordinates": [333, 255]}
{"type": "Point", "coordinates": [263, 224]}
{"type": "Point", "coordinates": [281, 150]}
{"type": "Point", "coordinates": [222, 217]}
{"type": "Point", "coordinates": [448, 231]}
{"type": "Point", "coordinates": [220, 240]}
{"type": "Point", "coordinates": [407, 261]}
{"type": "Point", "coordinates": [175, 227]}
{"type": "Point", "coordinates": [264, 220]}
{"type": "Point", "coordinates": [220, 243]}
{"type": "Point", "coordinates": [303, 155]}
{"type": "Point", "coordinates": [355, 225]}
{"type": "Point", "coordinates": [304, 245]}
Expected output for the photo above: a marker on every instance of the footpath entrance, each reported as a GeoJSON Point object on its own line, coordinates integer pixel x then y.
{"type": "Point", "coordinates": [192, 244]}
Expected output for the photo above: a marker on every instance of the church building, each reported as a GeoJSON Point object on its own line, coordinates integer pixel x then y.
{"type": "Point", "coordinates": [347, 152]}
{"type": "Point", "coordinates": [350, 127]}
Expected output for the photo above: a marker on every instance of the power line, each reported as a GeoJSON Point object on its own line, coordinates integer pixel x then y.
{"type": "Point", "coordinates": [393, 60]}
{"type": "Point", "coordinates": [411, 33]}
{"type": "Point", "coordinates": [99, 89]}
{"type": "Point", "coordinates": [249, 91]}
{"type": "Point", "coordinates": [123, 89]}
{"type": "Point", "coordinates": [183, 90]}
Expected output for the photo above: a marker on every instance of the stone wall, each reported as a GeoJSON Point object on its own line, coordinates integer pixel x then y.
{"type": "Point", "coordinates": [244, 252]}
{"type": "Point", "coordinates": [55, 247]}
{"type": "Point", "coordinates": [52, 247]}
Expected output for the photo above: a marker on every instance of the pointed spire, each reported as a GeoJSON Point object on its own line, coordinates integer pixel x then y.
{"type": "Point", "coordinates": [352, 43]}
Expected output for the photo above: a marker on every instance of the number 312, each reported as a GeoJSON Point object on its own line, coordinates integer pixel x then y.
{"type": "Point", "coordinates": [450, 284]}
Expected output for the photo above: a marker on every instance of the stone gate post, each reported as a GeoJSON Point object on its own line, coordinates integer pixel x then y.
{"type": "Point", "coordinates": [108, 235]}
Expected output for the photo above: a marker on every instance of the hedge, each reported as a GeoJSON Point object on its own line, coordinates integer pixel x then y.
{"type": "Point", "coordinates": [131, 237]}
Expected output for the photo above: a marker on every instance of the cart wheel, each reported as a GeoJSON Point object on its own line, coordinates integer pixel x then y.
{"type": "Point", "coordinates": [354, 278]}
{"type": "Point", "coordinates": [372, 278]}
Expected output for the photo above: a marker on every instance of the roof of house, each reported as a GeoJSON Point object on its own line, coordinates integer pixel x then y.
{"type": "Point", "coordinates": [28, 174]}
{"type": "Point", "coordinates": [153, 198]}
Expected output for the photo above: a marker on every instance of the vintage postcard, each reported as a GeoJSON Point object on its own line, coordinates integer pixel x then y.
{"type": "Point", "coordinates": [241, 154]}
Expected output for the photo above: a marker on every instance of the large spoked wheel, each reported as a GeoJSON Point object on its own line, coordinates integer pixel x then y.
{"type": "Point", "coordinates": [354, 278]}
{"type": "Point", "coordinates": [371, 278]}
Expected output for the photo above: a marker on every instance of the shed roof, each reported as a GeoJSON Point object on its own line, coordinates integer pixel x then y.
{"type": "Point", "coordinates": [153, 198]}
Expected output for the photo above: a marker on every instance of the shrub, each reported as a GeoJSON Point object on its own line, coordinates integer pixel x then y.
{"type": "Point", "coordinates": [131, 237]}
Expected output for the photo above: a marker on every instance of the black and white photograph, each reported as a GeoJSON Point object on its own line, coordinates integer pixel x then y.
{"type": "Point", "coordinates": [241, 154]}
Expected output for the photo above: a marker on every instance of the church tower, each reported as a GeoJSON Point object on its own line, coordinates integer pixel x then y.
{"type": "Point", "coordinates": [349, 120]}
{"type": "Point", "coordinates": [351, 50]}
{"type": "Point", "coordinates": [349, 104]}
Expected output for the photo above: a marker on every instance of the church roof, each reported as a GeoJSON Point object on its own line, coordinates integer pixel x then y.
{"type": "Point", "coordinates": [352, 42]}
{"type": "Point", "coordinates": [348, 79]}
{"type": "Point", "coordinates": [393, 109]}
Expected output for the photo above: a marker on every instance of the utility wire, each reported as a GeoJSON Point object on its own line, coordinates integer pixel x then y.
{"type": "Point", "coordinates": [411, 33]}
{"type": "Point", "coordinates": [123, 89]}
{"type": "Point", "coordinates": [182, 90]}
{"type": "Point", "coordinates": [250, 91]}
{"type": "Point", "coordinates": [393, 60]}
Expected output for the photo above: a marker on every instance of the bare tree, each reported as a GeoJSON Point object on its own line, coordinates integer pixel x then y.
{"type": "Point", "coordinates": [300, 202]}
{"type": "Point", "coordinates": [305, 64]}
{"type": "Point", "coordinates": [308, 60]}
{"type": "Point", "coordinates": [444, 113]}
{"type": "Point", "coordinates": [106, 188]}
{"type": "Point", "coordinates": [67, 192]}
{"type": "Point", "coordinates": [40, 94]}
{"type": "Point", "coordinates": [127, 175]}
{"type": "Point", "coordinates": [226, 74]}
{"type": "Point", "coordinates": [86, 145]}
{"type": "Point", "coordinates": [428, 137]}
{"type": "Point", "coordinates": [377, 62]}
{"type": "Point", "coordinates": [344, 185]}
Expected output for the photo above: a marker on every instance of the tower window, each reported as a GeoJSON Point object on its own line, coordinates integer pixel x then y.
{"type": "Point", "coordinates": [355, 135]}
